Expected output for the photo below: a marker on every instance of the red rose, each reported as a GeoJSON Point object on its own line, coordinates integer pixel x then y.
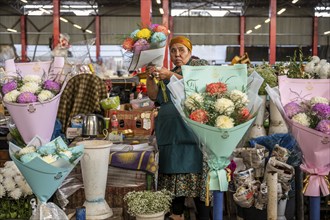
{"type": "Point", "coordinates": [216, 88]}
{"type": "Point", "coordinates": [199, 115]}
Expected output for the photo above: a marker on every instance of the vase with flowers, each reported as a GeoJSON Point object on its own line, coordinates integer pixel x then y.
{"type": "Point", "coordinates": [15, 193]}
{"type": "Point", "coordinates": [148, 205]}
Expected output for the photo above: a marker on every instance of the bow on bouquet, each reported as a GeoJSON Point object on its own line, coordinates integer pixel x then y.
{"type": "Point", "coordinates": [32, 99]}
{"type": "Point", "coordinates": [146, 45]}
{"type": "Point", "coordinates": [45, 167]}
{"type": "Point", "coordinates": [219, 104]}
{"type": "Point", "coordinates": [304, 104]}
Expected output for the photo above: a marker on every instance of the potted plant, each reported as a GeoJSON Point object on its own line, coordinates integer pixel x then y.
{"type": "Point", "coordinates": [151, 205]}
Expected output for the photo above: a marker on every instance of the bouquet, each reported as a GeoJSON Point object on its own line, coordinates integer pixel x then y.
{"type": "Point", "coordinates": [146, 45]}
{"type": "Point", "coordinates": [15, 193]}
{"type": "Point", "coordinates": [219, 104]}
{"type": "Point", "coordinates": [44, 168]}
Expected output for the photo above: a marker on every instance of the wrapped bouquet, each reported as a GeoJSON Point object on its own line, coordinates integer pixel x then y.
{"type": "Point", "coordinates": [146, 45]}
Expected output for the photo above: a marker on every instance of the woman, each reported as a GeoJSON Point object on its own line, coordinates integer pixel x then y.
{"type": "Point", "coordinates": [180, 159]}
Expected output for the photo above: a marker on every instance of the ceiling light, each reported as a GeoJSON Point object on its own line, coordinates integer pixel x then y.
{"type": "Point", "coordinates": [11, 30]}
{"type": "Point", "coordinates": [294, 1]}
{"type": "Point", "coordinates": [267, 20]}
{"type": "Point", "coordinates": [249, 32]}
{"type": "Point", "coordinates": [65, 6]}
{"type": "Point", "coordinates": [24, 1]}
{"type": "Point", "coordinates": [158, 2]}
{"type": "Point", "coordinates": [88, 31]}
{"type": "Point", "coordinates": [44, 10]}
{"type": "Point", "coordinates": [281, 11]}
{"type": "Point", "coordinates": [77, 26]}
{"type": "Point", "coordinates": [63, 19]}
{"type": "Point", "coordinates": [327, 32]}
{"type": "Point", "coordinates": [161, 11]}
{"type": "Point", "coordinates": [257, 27]}
{"type": "Point", "coordinates": [227, 7]}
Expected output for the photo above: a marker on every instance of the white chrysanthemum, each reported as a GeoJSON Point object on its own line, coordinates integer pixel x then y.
{"type": "Point", "coordinates": [30, 87]}
{"type": "Point", "coordinates": [26, 189]}
{"type": "Point", "coordinates": [1, 178]}
{"type": "Point", "coordinates": [8, 173]}
{"type": "Point", "coordinates": [45, 95]}
{"type": "Point", "coordinates": [32, 78]}
{"type": "Point", "coordinates": [192, 99]}
{"type": "Point", "coordinates": [324, 72]}
{"type": "Point", "coordinates": [11, 96]}
{"type": "Point", "coordinates": [2, 191]}
{"type": "Point", "coordinates": [315, 59]}
{"type": "Point", "coordinates": [27, 150]}
{"type": "Point", "coordinates": [67, 153]}
{"type": "Point", "coordinates": [239, 98]}
{"type": "Point", "coordinates": [49, 158]}
{"type": "Point", "coordinates": [9, 184]}
{"type": "Point", "coordinates": [309, 67]}
{"type": "Point", "coordinates": [224, 121]}
{"type": "Point", "coordinates": [224, 106]}
{"type": "Point", "coordinates": [302, 119]}
{"type": "Point", "coordinates": [19, 180]}
{"type": "Point", "coordinates": [16, 193]}
{"type": "Point", "coordinates": [319, 99]}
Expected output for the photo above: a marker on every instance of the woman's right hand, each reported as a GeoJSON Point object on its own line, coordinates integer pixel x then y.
{"type": "Point", "coordinates": [150, 69]}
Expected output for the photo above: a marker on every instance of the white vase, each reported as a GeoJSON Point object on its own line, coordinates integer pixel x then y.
{"type": "Point", "coordinates": [94, 168]}
{"type": "Point", "coordinates": [155, 216]}
{"type": "Point", "coordinates": [258, 128]}
{"type": "Point", "coordinates": [277, 123]}
{"type": "Point", "coordinates": [281, 209]}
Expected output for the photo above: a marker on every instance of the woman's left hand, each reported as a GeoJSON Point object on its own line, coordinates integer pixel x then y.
{"type": "Point", "coordinates": [163, 73]}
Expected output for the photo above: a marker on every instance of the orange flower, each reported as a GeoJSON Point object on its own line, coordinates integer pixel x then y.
{"type": "Point", "coordinates": [216, 88]}
{"type": "Point", "coordinates": [128, 44]}
{"type": "Point", "coordinates": [199, 115]}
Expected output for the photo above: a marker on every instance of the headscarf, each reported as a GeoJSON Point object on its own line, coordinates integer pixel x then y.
{"type": "Point", "coordinates": [181, 40]}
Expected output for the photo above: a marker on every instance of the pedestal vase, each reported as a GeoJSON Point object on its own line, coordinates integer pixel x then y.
{"type": "Point", "coordinates": [277, 123]}
{"type": "Point", "coordinates": [155, 216]}
{"type": "Point", "coordinates": [258, 128]}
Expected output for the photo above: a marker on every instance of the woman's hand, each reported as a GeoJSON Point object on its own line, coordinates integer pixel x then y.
{"type": "Point", "coordinates": [150, 71]}
{"type": "Point", "coordinates": [163, 73]}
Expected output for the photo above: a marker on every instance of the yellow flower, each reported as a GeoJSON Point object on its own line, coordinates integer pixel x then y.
{"type": "Point", "coordinates": [144, 33]}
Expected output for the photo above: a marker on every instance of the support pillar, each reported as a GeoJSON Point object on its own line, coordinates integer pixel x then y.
{"type": "Point", "coordinates": [272, 32]}
{"type": "Point", "coordinates": [23, 38]}
{"type": "Point", "coordinates": [146, 11]}
{"type": "Point", "coordinates": [315, 35]}
{"type": "Point", "coordinates": [98, 37]}
{"type": "Point", "coordinates": [241, 35]}
{"type": "Point", "coordinates": [166, 24]}
{"type": "Point", "coordinates": [171, 34]}
{"type": "Point", "coordinates": [56, 22]}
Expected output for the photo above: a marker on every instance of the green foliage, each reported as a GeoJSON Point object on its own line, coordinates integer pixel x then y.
{"type": "Point", "coordinates": [267, 72]}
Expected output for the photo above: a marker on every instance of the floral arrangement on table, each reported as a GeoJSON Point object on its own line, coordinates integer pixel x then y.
{"type": "Point", "coordinates": [268, 73]}
{"type": "Point", "coordinates": [148, 202]}
{"type": "Point", "coordinates": [218, 107]}
{"type": "Point", "coordinates": [314, 113]}
{"type": "Point", "coordinates": [28, 89]}
{"type": "Point", "coordinates": [15, 193]}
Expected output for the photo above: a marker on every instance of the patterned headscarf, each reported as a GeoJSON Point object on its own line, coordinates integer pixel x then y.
{"type": "Point", "coordinates": [181, 40]}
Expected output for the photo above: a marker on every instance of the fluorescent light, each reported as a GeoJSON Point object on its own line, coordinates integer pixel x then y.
{"type": "Point", "coordinates": [227, 7]}
{"type": "Point", "coordinates": [65, 6]}
{"type": "Point", "coordinates": [281, 11]}
{"type": "Point", "coordinates": [11, 30]}
{"type": "Point", "coordinates": [63, 19]}
{"type": "Point", "coordinates": [24, 1]}
{"type": "Point", "coordinates": [267, 20]}
{"type": "Point", "coordinates": [322, 14]}
{"type": "Point", "coordinates": [257, 27]}
{"type": "Point", "coordinates": [294, 1]}
{"type": "Point", "coordinates": [44, 10]}
{"type": "Point", "coordinates": [161, 11]}
{"type": "Point", "coordinates": [249, 32]}
{"type": "Point", "coordinates": [77, 26]}
{"type": "Point", "coordinates": [88, 31]}
{"type": "Point", "coordinates": [158, 2]}
{"type": "Point", "coordinates": [82, 12]}
{"type": "Point", "coordinates": [325, 33]}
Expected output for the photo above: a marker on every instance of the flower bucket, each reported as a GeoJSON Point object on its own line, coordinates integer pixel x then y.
{"type": "Point", "coordinates": [155, 216]}
{"type": "Point", "coordinates": [35, 118]}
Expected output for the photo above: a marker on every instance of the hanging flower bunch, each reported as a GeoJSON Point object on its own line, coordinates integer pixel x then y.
{"type": "Point", "coordinates": [146, 38]}
{"type": "Point", "coordinates": [314, 113]}
{"type": "Point", "coordinates": [28, 89]}
{"type": "Point", "coordinates": [15, 193]}
{"type": "Point", "coordinates": [218, 107]}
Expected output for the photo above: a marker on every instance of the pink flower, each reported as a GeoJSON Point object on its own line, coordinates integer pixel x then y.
{"type": "Point", "coordinates": [199, 115]}
{"type": "Point", "coordinates": [216, 88]}
{"type": "Point", "coordinates": [323, 126]}
{"type": "Point", "coordinates": [9, 86]}
{"type": "Point", "coordinates": [52, 86]}
{"type": "Point", "coordinates": [27, 97]}
{"type": "Point", "coordinates": [292, 108]}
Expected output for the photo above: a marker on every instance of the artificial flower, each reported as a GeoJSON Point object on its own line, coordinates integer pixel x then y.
{"type": "Point", "coordinates": [45, 95]}
{"type": "Point", "coordinates": [224, 106]}
{"type": "Point", "coordinates": [217, 88]}
{"type": "Point", "coordinates": [192, 101]}
{"type": "Point", "coordinates": [30, 87]}
{"type": "Point", "coordinates": [318, 99]}
{"type": "Point", "coordinates": [11, 96]}
{"type": "Point", "coordinates": [301, 118]}
{"type": "Point", "coordinates": [158, 37]}
{"type": "Point", "coordinates": [52, 86]}
{"type": "Point", "coordinates": [292, 108]}
{"type": "Point", "coordinates": [140, 45]}
{"type": "Point", "coordinates": [323, 126]}
{"type": "Point", "coordinates": [133, 34]}
{"type": "Point", "coordinates": [144, 33]}
{"type": "Point", "coordinates": [32, 78]}
{"type": "Point", "coordinates": [322, 110]}
{"type": "Point", "coordinates": [128, 44]}
{"type": "Point", "coordinates": [224, 121]}
{"type": "Point", "coordinates": [27, 97]}
{"type": "Point", "coordinates": [161, 28]}
{"type": "Point", "coordinates": [199, 115]}
{"type": "Point", "coordinates": [9, 86]}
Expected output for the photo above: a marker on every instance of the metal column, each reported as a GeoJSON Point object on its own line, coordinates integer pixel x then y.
{"type": "Point", "coordinates": [272, 32]}
{"type": "Point", "coordinates": [315, 35]}
{"type": "Point", "coordinates": [146, 11]}
{"type": "Point", "coordinates": [98, 37]}
{"type": "Point", "coordinates": [241, 35]}
{"type": "Point", "coordinates": [165, 23]}
{"type": "Point", "coordinates": [23, 38]}
{"type": "Point", "coordinates": [56, 22]}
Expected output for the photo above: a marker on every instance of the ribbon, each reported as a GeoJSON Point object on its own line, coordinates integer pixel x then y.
{"type": "Point", "coordinates": [315, 180]}
{"type": "Point", "coordinates": [218, 176]}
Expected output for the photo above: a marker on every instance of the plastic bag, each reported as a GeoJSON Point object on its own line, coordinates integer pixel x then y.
{"type": "Point", "coordinates": [48, 211]}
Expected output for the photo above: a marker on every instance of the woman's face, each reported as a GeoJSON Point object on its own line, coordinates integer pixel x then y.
{"type": "Point", "coordinates": [180, 54]}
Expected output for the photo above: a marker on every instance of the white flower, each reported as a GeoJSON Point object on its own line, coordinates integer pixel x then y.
{"type": "Point", "coordinates": [8, 172]}
{"type": "Point", "coordinates": [224, 106]}
{"type": "Point", "coordinates": [310, 67]}
{"type": "Point", "coordinates": [26, 150]}
{"type": "Point", "coordinates": [19, 180]}
{"type": "Point", "coordinates": [11, 96]}
{"type": "Point", "coordinates": [319, 99]}
{"type": "Point", "coordinates": [325, 71]}
{"type": "Point", "coordinates": [45, 95]}
{"type": "Point", "coordinates": [32, 78]}
{"type": "Point", "coordinates": [224, 121]}
{"type": "Point", "coordinates": [302, 119]}
{"type": "Point", "coordinates": [2, 191]}
{"type": "Point", "coordinates": [191, 101]}
{"type": "Point", "coordinates": [1, 178]}
{"type": "Point", "coordinates": [9, 184]}
{"type": "Point", "coordinates": [16, 193]}
{"type": "Point", "coordinates": [30, 87]}
{"type": "Point", "coordinates": [49, 158]}
{"type": "Point", "coordinates": [315, 59]}
{"type": "Point", "coordinates": [239, 98]}
{"type": "Point", "coordinates": [26, 189]}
